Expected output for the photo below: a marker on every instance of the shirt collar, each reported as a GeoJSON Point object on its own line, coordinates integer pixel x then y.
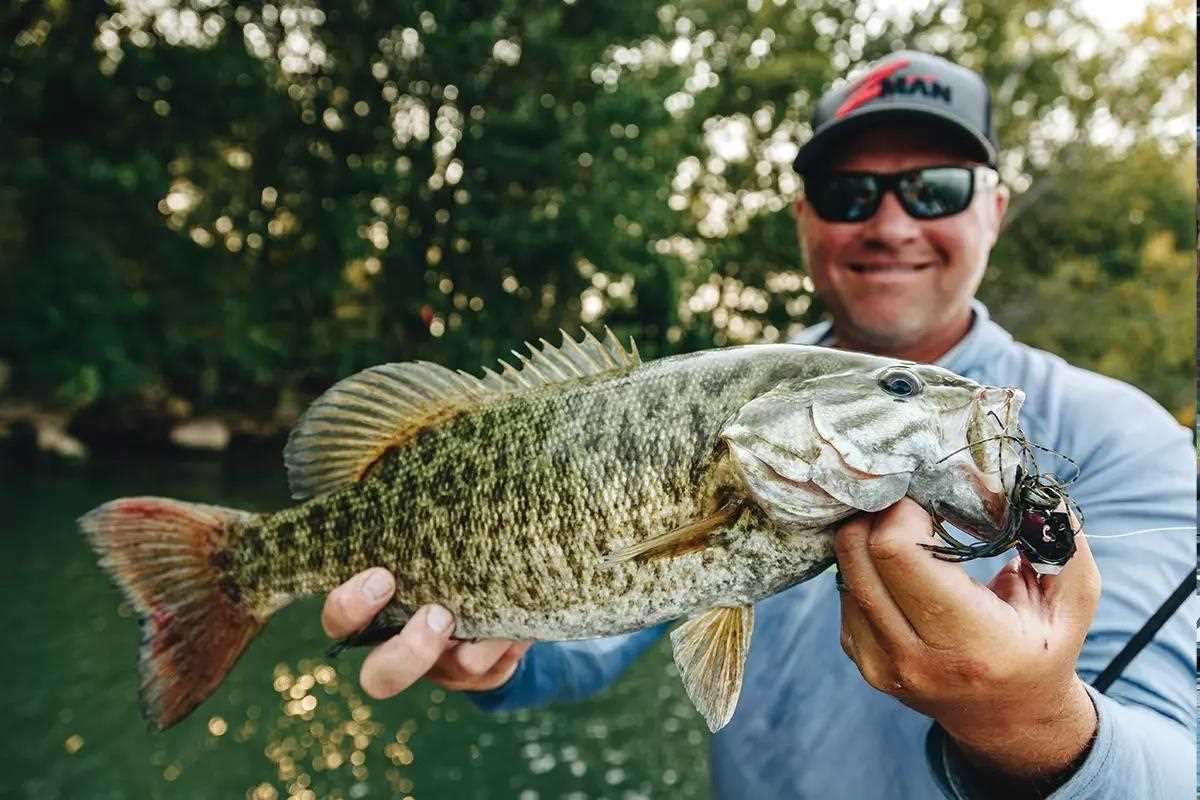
{"type": "Point", "coordinates": [970, 352]}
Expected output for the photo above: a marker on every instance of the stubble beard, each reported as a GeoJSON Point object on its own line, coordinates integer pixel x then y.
{"type": "Point", "coordinates": [860, 330]}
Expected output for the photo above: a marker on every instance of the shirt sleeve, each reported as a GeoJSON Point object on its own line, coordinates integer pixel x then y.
{"type": "Point", "coordinates": [551, 672]}
{"type": "Point", "coordinates": [1137, 476]}
{"type": "Point", "coordinates": [1136, 753]}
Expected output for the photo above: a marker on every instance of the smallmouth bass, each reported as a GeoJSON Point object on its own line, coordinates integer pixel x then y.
{"type": "Point", "coordinates": [584, 494]}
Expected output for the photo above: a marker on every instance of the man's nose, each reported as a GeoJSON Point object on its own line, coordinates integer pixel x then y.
{"type": "Point", "coordinates": [891, 224]}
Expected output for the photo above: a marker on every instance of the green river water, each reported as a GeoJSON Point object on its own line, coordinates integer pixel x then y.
{"type": "Point", "coordinates": [288, 722]}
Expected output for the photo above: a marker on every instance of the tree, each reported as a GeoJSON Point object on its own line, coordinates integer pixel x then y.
{"type": "Point", "coordinates": [217, 207]}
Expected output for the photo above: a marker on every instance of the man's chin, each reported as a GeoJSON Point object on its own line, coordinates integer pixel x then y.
{"type": "Point", "coordinates": [887, 327]}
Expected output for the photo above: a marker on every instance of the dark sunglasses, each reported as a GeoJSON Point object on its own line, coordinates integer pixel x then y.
{"type": "Point", "coordinates": [927, 193]}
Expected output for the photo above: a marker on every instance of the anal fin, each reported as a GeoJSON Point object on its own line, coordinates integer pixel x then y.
{"type": "Point", "coordinates": [710, 652]}
{"type": "Point", "coordinates": [693, 536]}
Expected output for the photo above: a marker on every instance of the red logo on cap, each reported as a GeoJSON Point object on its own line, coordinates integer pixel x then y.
{"type": "Point", "coordinates": [870, 87]}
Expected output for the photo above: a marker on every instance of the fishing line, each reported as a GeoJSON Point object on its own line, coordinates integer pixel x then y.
{"type": "Point", "coordinates": [1025, 444]}
{"type": "Point", "coordinates": [1136, 533]}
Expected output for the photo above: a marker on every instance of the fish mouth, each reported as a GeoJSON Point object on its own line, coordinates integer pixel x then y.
{"type": "Point", "coordinates": [978, 481]}
{"type": "Point", "coordinates": [958, 519]}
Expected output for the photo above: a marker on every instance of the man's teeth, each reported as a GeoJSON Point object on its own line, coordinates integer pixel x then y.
{"type": "Point", "coordinates": [887, 267]}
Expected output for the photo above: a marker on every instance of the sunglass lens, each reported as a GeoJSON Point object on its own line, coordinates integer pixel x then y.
{"type": "Point", "coordinates": [846, 198]}
{"type": "Point", "coordinates": [936, 192]}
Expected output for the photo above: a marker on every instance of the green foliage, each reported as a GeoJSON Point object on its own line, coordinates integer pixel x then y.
{"type": "Point", "coordinates": [231, 205]}
{"type": "Point", "coordinates": [1103, 271]}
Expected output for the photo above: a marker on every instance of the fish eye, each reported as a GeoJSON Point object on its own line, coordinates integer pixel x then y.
{"type": "Point", "coordinates": [901, 383]}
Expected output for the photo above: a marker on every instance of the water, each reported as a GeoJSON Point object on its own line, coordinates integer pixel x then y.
{"type": "Point", "coordinates": [288, 722]}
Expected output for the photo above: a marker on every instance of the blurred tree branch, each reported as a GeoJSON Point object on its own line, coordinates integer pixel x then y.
{"type": "Point", "coordinates": [230, 207]}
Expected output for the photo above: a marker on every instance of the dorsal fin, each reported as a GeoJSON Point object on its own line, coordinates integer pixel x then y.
{"type": "Point", "coordinates": [353, 423]}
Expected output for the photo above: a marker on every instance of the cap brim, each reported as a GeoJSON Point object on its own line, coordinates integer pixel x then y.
{"type": "Point", "coordinates": [818, 147]}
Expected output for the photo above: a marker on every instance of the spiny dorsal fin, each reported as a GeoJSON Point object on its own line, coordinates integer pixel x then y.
{"type": "Point", "coordinates": [710, 652]}
{"type": "Point", "coordinates": [353, 423]}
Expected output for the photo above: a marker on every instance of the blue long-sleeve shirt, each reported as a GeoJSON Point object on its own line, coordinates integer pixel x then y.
{"type": "Point", "coordinates": [808, 725]}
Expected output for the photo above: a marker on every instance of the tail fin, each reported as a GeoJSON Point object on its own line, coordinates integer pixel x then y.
{"type": "Point", "coordinates": [168, 558]}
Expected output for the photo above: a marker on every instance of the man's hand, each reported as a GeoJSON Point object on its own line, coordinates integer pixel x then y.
{"type": "Point", "coordinates": [422, 648]}
{"type": "Point", "coordinates": [995, 664]}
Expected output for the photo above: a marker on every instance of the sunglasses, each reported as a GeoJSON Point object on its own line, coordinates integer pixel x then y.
{"type": "Point", "coordinates": [927, 193]}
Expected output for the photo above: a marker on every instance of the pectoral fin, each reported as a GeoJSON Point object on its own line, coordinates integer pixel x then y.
{"type": "Point", "coordinates": [692, 536]}
{"type": "Point", "coordinates": [710, 652]}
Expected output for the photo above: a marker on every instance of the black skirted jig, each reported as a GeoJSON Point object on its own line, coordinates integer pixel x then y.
{"type": "Point", "coordinates": [1044, 530]}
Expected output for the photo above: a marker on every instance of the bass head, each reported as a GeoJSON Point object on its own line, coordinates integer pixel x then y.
{"type": "Point", "coordinates": [866, 437]}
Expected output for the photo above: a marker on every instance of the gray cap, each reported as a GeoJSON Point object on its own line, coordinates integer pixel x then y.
{"type": "Point", "coordinates": [906, 85]}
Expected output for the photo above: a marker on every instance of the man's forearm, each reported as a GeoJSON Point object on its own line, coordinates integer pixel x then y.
{"type": "Point", "coordinates": [1031, 755]}
{"type": "Point", "coordinates": [1137, 752]}
{"type": "Point", "coordinates": [557, 671]}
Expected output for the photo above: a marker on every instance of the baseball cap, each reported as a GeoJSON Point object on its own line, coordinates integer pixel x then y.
{"type": "Point", "coordinates": [904, 86]}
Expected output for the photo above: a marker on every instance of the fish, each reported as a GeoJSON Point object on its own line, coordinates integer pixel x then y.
{"type": "Point", "coordinates": [583, 493]}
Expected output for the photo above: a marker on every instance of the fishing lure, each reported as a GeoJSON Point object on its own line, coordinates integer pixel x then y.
{"type": "Point", "coordinates": [1044, 530]}
{"type": "Point", "coordinates": [1040, 522]}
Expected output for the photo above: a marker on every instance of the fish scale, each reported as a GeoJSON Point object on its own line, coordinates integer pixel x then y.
{"type": "Point", "coordinates": [584, 495]}
{"type": "Point", "coordinates": [643, 470]}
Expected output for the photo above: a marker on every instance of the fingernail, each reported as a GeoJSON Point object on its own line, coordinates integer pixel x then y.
{"type": "Point", "coordinates": [377, 586]}
{"type": "Point", "coordinates": [438, 619]}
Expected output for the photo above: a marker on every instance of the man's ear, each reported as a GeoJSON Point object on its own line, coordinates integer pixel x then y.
{"type": "Point", "coordinates": [999, 208]}
{"type": "Point", "coordinates": [798, 207]}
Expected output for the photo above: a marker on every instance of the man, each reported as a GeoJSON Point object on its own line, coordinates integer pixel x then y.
{"type": "Point", "coordinates": [902, 206]}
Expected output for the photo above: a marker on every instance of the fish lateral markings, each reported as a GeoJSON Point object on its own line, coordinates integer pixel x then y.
{"type": "Point", "coordinates": [583, 495]}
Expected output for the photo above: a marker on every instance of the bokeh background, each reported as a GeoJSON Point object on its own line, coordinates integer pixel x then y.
{"type": "Point", "coordinates": [211, 211]}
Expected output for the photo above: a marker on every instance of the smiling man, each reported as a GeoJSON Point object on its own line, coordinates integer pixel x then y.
{"type": "Point", "coordinates": [964, 680]}
{"type": "Point", "coordinates": [895, 282]}
{"type": "Point", "coordinates": [902, 205]}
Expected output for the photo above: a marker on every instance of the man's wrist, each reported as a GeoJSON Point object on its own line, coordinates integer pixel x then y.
{"type": "Point", "coordinates": [1037, 751]}
{"type": "Point", "coordinates": [493, 699]}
